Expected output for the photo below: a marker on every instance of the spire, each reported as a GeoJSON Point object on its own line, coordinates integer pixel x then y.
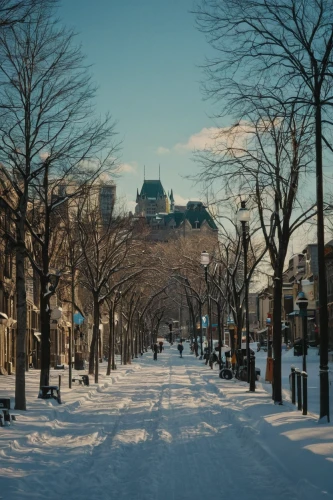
{"type": "Point", "coordinates": [137, 196]}
{"type": "Point", "coordinates": [172, 202]}
{"type": "Point", "coordinates": [159, 172]}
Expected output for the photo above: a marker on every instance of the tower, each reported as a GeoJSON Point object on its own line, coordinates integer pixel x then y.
{"type": "Point", "coordinates": [152, 199]}
{"type": "Point", "coordinates": [172, 202]}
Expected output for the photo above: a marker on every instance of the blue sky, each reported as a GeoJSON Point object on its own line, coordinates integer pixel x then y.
{"type": "Point", "coordinates": [146, 56]}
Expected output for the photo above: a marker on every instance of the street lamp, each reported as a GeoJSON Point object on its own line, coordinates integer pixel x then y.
{"type": "Point", "coordinates": [205, 261]}
{"type": "Point", "coordinates": [243, 217]}
{"type": "Point", "coordinates": [302, 303]}
{"type": "Point", "coordinates": [71, 331]}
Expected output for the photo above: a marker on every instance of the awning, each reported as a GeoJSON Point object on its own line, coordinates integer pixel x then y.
{"type": "Point", "coordinates": [310, 313]}
{"type": "Point", "coordinates": [37, 335]}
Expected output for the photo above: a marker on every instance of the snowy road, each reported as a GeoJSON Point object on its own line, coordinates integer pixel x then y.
{"type": "Point", "coordinates": [165, 430]}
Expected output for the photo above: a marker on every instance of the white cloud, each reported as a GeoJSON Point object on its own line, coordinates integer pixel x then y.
{"type": "Point", "coordinates": [214, 138]}
{"type": "Point", "coordinates": [126, 168]}
{"type": "Point", "coordinates": [105, 177]}
{"type": "Point", "coordinates": [205, 139]}
{"type": "Point", "coordinates": [162, 151]}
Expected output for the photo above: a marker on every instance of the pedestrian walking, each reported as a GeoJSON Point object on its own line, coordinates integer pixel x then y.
{"type": "Point", "coordinates": [155, 351]}
{"type": "Point", "coordinates": [195, 348]}
{"type": "Point", "coordinates": [180, 348]}
{"type": "Point", "coordinates": [161, 346]}
{"type": "Point", "coordinates": [206, 355]}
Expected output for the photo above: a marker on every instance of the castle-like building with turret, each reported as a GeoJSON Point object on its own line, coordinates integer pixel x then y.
{"type": "Point", "coordinates": [166, 219]}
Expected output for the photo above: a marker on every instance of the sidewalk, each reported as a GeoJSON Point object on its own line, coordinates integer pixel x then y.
{"type": "Point", "coordinates": [288, 360]}
{"type": "Point", "coordinates": [165, 430]}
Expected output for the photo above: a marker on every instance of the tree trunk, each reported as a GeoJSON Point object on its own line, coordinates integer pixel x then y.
{"type": "Point", "coordinates": [136, 342]}
{"type": "Point", "coordinates": [131, 346]}
{"type": "Point", "coordinates": [124, 349]}
{"type": "Point", "coordinates": [140, 331]}
{"type": "Point", "coordinates": [192, 322]}
{"type": "Point", "coordinates": [113, 354]}
{"type": "Point", "coordinates": [20, 401]}
{"type": "Point", "coordinates": [94, 340]}
{"type": "Point", "coordinates": [110, 347]}
{"type": "Point", "coordinates": [277, 341]}
{"type": "Point", "coordinates": [322, 282]}
{"type": "Point", "coordinates": [220, 334]}
{"type": "Point", "coordinates": [97, 336]}
{"type": "Point", "coordinates": [128, 343]}
{"type": "Point", "coordinates": [92, 352]}
{"type": "Point", "coordinates": [200, 315]}
{"type": "Point", "coordinates": [45, 315]}
{"type": "Point", "coordinates": [239, 327]}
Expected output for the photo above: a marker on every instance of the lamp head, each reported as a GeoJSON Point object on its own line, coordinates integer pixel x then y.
{"type": "Point", "coordinates": [243, 214]}
{"type": "Point", "coordinates": [301, 300]}
{"type": "Point", "coordinates": [204, 258]}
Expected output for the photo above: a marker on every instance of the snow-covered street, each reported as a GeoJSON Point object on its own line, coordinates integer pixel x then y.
{"type": "Point", "coordinates": [162, 430]}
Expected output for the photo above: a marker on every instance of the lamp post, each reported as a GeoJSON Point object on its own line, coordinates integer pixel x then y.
{"type": "Point", "coordinates": [205, 261]}
{"type": "Point", "coordinates": [243, 217]}
{"type": "Point", "coordinates": [302, 303]}
{"type": "Point", "coordinates": [170, 330]}
{"type": "Point", "coordinates": [200, 319]}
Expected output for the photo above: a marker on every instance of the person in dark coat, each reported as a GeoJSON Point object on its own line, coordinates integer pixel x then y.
{"type": "Point", "coordinates": [180, 348]}
{"type": "Point", "coordinates": [161, 345]}
{"type": "Point", "coordinates": [155, 351]}
{"type": "Point", "coordinates": [195, 348]}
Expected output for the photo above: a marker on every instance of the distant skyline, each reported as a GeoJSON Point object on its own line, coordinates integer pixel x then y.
{"type": "Point", "coordinates": [145, 58]}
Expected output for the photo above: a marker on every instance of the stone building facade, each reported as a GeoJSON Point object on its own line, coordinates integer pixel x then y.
{"type": "Point", "coordinates": [167, 220]}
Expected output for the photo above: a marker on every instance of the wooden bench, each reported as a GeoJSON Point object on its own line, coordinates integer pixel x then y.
{"type": "Point", "coordinates": [50, 391]}
{"type": "Point", "coordinates": [4, 403]}
{"type": "Point", "coordinates": [82, 379]}
{"type": "Point", "coordinates": [6, 416]}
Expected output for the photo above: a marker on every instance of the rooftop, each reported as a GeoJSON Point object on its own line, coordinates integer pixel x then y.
{"type": "Point", "coordinates": [152, 189]}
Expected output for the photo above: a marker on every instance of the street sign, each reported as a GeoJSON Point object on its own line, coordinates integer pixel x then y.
{"type": "Point", "coordinates": [78, 319]}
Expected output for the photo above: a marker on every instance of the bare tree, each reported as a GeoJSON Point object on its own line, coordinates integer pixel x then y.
{"type": "Point", "coordinates": [279, 45]}
{"type": "Point", "coordinates": [180, 261]}
{"type": "Point", "coordinates": [107, 250]}
{"type": "Point", "coordinates": [46, 129]}
{"type": "Point", "coordinates": [17, 11]}
{"type": "Point", "coordinates": [266, 160]}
